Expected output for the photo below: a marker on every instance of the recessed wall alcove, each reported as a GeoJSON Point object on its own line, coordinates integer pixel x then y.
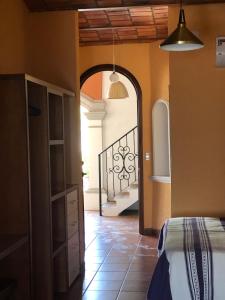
{"type": "Point", "coordinates": [161, 141]}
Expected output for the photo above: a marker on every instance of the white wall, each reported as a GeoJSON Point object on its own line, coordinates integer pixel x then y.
{"type": "Point", "coordinates": [121, 114]}
{"type": "Point", "coordinates": [161, 139]}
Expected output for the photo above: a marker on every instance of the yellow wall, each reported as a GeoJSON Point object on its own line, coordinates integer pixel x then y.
{"type": "Point", "coordinates": [51, 47]}
{"type": "Point", "coordinates": [197, 104]}
{"type": "Point", "coordinates": [159, 73]}
{"type": "Point", "coordinates": [13, 16]}
{"type": "Point", "coordinates": [161, 204]}
{"type": "Point", "coordinates": [41, 44]}
{"type": "Point", "coordinates": [150, 67]}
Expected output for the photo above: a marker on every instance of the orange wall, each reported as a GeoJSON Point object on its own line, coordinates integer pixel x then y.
{"type": "Point", "coordinates": [41, 44]}
{"type": "Point", "coordinates": [50, 47]}
{"type": "Point", "coordinates": [197, 104]}
{"type": "Point", "coordinates": [13, 14]}
{"type": "Point", "coordinates": [161, 204]}
{"type": "Point", "coordinates": [159, 73]}
{"type": "Point", "coordinates": [93, 86]}
{"type": "Point", "coordinates": [161, 192]}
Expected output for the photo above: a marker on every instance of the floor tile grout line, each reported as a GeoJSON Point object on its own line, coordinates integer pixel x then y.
{"type": "Point", "coordinates": [98, 271]}
{"type": "Point", "coordinates": [90, 242]}
{"type": "Point", "coordinates": [98, 268]}
{"type": "Point", "coordinates": [120, 290]}
{"type": "Point", "coordinates": [83, 292]}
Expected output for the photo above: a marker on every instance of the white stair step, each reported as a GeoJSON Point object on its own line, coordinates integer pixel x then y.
{"type": "Point", "coordinates": [123, 194]}
{"type": "Point", "coordinates": [134, 185]}
{"type": "Point", "coordinates": [121, 201]}
{"type": "Point", "coordinates": [109, 205]}
{"type": "Point", "coordinates": [121, 204]}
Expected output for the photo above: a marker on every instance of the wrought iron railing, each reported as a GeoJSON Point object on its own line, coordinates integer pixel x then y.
{"type": "Point", "coordinates": [118, 165]}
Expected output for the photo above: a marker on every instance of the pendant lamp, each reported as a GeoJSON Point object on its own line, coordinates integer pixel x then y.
{"type": "Point", "coordinates": [182, 39]}
{"type": "Point", "coordinates": [117, 89]}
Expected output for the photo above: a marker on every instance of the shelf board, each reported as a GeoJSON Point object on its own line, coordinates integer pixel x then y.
{"type": "Point", "coordinates": [71, 187]}
{"type": "Point", "coordinates": [51, 87]}
{"type": "Point", "coordinates": [10, 243]}
{"type": "Point", "coordinates": [58, 195]}
{"type": "Point", "coordinates": [56, 142]}
{"type": "Point", "coordinates": [57, 247]}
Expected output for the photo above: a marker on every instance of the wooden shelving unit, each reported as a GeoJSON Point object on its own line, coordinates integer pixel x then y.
{"type": "Point", "coordinates": [56, 142]}
{"type": "Point", "coordinates": [10, 243]}
{"type": "Point", "coordinates": [60, 273]}
{"type": "Point", "coordinates": [55, 104]}
{"type": "Point", "coordinates": [58, 224]}
{"type": "Point", "coordinates": [57, 169]}
{"type": "Point", "coordinates": [40, 226]}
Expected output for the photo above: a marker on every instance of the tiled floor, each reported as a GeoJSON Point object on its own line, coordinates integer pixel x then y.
{"type": "Point", "coordinates": [119, 261]}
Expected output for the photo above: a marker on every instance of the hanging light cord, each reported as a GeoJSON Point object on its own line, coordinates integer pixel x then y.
{"type": "Point", "coordinates": [181, 4]}
{"type": "Point", "coordinates": [114, 68]}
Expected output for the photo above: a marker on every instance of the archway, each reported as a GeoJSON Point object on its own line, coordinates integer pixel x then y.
{"type": "Point", "coordinates": [109, 67]}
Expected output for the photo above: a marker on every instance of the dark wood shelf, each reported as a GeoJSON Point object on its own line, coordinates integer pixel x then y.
{"type": "Point", "coordinates": [71, 187]}
{"type": "Point", "coordinates": [56, 195]}
{"type": "Point", "coordinates": [55, 116]}
{"type": "Point", "coordinates": [57, 169]}
{"type": "Point", "coordinates": [57, 247]}
{"type": "Point", "coordinates": [56, 142]}
{"type": "Point", "coordinates": [10, 243]}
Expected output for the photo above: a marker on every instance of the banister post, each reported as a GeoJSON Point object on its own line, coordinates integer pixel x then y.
{"type": "Point", "coordinates": [100, 184]}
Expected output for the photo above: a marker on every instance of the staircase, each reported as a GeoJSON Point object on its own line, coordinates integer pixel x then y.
{"type": "Point", "coordinates": [118, 174]}
{"type": "Point", "coordinates": [122, 201]}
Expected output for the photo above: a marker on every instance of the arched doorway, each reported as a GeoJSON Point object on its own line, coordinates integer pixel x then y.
{"type": "Point", "coordinates": [109, 67]}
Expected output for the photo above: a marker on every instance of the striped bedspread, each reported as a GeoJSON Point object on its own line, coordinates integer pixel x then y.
{"type": "Point", "coordinates": [195, 250]}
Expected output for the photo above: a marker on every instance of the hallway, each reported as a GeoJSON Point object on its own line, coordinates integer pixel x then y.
{"type": "Point", "coordinates": [119, 261]}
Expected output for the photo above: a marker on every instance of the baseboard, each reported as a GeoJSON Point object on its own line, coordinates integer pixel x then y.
{"type": "Point", "coordinates": [151, 232]}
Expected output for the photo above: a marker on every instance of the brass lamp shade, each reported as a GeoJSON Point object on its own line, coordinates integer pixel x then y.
{"type": "Point", "coordinates": [117, 90]}
{"type": "Point", "coordinates": [182, 39]}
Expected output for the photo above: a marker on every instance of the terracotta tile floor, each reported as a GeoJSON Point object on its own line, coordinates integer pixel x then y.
{"type": "Point", "coordinates": [119, 262]}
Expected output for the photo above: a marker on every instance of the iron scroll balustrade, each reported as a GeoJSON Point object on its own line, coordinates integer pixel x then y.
{"type": "Point", "coordinates": [118, 165]}
{"type": "Point", "coordinates": [123, 170]}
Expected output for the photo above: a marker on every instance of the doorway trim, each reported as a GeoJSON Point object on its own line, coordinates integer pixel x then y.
{"type": "Point", "coordinates": [109, 67]}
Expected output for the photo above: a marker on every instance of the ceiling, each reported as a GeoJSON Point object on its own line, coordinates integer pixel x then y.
{"type": "Point", "coordinates": [87, 4]}
{"type": "Point", "coordinates": [137, 24]}
{"type": "Point", "coordinates": [127, 21]}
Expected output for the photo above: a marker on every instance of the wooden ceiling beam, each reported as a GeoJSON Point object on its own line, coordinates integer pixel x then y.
{"type": "Point", "coordinates": [42, 5]}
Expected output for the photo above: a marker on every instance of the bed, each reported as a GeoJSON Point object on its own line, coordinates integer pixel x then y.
{"type": "Point", "coordinates": [191, 263]}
